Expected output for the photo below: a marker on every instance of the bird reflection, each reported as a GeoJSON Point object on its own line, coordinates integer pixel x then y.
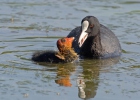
{"type": "Point", "coordinates": [88, 79]}
{"type": "Point", "coordinates": [63, 75]}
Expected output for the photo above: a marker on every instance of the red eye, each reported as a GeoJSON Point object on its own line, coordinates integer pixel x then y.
{"type": "Point", "coordinates": [92, 25]}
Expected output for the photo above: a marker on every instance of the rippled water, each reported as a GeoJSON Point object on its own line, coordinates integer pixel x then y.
{"type": "Point", "coordinates": [30, 25]}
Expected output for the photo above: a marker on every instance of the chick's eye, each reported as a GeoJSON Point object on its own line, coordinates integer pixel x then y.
{"type": "Point", "coordinates": [91, 26]}
{"type": "Point", "coordinates": [63, 40]}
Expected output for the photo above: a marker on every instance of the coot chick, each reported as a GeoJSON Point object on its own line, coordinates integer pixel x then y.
{"type": "Point", "coordinates": [65, 54]}
{"type": "Point", "coordinates": [94, 40]}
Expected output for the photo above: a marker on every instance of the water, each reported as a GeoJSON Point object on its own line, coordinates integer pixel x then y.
{"type": "Point", "coordinates": [27, 26]}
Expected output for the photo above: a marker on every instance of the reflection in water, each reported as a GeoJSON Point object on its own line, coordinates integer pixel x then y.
{"type": "Point", "coordinates": [63, 72]}
{"type": "Point", "coordinates": [81, 87]}
{"type": "Point", "coordinates": [63, 75]}
{"type": "Point", "coordinates": [87, 80]}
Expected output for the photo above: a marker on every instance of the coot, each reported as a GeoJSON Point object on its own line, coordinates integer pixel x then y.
{"type": "Point", "coordinates": [94, 40]}
{"type": "Point", "coordinates": [65, 54]}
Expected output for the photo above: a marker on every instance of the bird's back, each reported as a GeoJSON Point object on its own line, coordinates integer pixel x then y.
{"type": "Point", "coordinates": [109, 42]}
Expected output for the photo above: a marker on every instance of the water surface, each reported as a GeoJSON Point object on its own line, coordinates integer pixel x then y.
{"type": "Point", "coordinates": [30, 25]}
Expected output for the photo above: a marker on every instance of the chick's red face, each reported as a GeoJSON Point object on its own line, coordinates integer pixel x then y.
{"type": "Point", "coordinates": [64, 43]}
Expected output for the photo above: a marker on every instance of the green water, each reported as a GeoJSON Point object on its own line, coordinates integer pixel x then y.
{"type": "Point", "coordinates": [30, 25]}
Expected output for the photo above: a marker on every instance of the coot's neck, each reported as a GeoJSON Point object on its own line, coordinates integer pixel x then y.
{"type": "Point", "coordinates": [96, 47]}
{"type": "Point", "coordinates": [67, 55]}
{"type": "Point", "coordinates": [70, 55]}
{"type": "Point", "coordinates": [92, 46]}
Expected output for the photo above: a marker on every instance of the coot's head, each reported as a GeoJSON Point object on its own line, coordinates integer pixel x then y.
{"type": "Point", "coordinates": [90, 26]}
{"type": "Point", "coordinates": [65, 43]}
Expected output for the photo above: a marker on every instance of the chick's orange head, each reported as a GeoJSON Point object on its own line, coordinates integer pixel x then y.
{"type": "Point", "coordinates": [64, 43]}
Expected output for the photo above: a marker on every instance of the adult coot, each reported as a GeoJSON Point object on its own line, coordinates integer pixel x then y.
{"type": "Point", "coordinates": [64, 55]}
{"type": "Point", "coordinates": [94, 40]}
